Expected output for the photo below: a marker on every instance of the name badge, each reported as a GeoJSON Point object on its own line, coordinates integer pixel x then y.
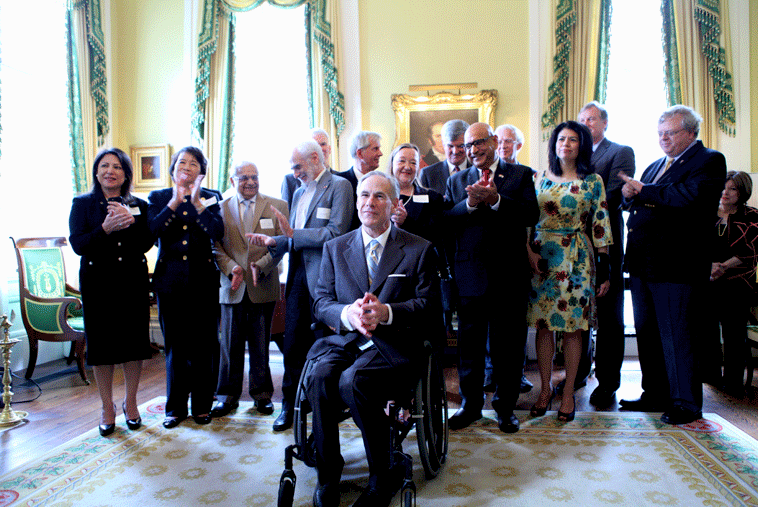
{"type": "Point", "coordinates": [209, 202]}
{"type": "Point", "coordinates": [424, 198]}
{"type": "Point", "coordinates": [266, 223]}
{"type": "Point", "coordinates": [134, 210]}
{"type": "Point", "coordinates": [324, 213]}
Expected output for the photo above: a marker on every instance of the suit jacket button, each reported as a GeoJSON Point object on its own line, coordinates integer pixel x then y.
{"type": "Point", "coordinates": [184, 212]}
{"type": "Point", "coordinates": [119, 259]}
{"type": "Point", "coordinates": [184, 227]}
{"type": "Point", "coordinates": [184, 242]}
{"type": "Point", "coordinates": [184, 257]}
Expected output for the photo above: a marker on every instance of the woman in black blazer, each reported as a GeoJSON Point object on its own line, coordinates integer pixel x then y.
{"type": "Point", "coordinates": [186, 219]}
{"type": "Point", "coordinates": [109, 230]}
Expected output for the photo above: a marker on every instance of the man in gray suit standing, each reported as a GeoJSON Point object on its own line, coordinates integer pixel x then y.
{"type": "Point", "coordinates": [377, 291]}
{"type": "Point", "coordinates": [321, 210]}
{"type": "Point", "coordinates": [610, 161]}
{"type": "Point", "coordinates": [249, 291]}
{"type": "Point", "coordinates": [435, 176]}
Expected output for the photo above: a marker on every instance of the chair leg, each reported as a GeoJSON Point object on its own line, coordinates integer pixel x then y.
{"type": "Point", "coordinates": [71, 354]}
{"type": "Point", "coordinates": [33, 349]}
{"type": "Point", "coordinates": [78, 347]}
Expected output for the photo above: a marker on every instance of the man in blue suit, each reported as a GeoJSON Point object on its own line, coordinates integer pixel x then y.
{"type": "Point", "coordinates": [668, 257]}
{"type": "Point", "coordinates": [321, 210]}
{"type": "Point", "coordinates": [493, 204]}
{"type": "Point", "coordinates": [377, 291]}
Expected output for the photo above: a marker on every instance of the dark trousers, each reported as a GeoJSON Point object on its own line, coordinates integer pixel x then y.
{"type": "Point", "coordinates": [298, 335]}
{"type": "Point", "coordinates": [364, 382]}
{"type": "Point", "coordinates": [728, 307]}
{"type": "Point", "coordinates": [667, 317]}
{"type": "Point", "coordinates": [494, 317]}
{"type": "Point", "coordinates": [245, 323]}
{"type": "Point", "coordinates": [189, 323]}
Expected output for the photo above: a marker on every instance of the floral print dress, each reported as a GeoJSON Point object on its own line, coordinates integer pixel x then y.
{"type": "Point", "coordinates": [563, 296]}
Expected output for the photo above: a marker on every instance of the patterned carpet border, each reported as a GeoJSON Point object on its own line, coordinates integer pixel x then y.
{"type": "Point", "coordinates": [716, 462]}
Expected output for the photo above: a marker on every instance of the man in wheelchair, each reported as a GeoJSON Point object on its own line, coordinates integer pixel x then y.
{"type": "Point", "coordinates": [377, 293]}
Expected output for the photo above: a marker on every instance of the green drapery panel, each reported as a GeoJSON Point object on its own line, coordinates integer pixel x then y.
{"type": "Point", "coordinates": [556, 93]}
{"type": "Point", "coordinates": [227, 112]}
{"type": "Point", "coordinates": [98, 79]}
{"type": "Point", "coordinates": [670, 51]}
{"type": "Point", "coordinates": [604, 51]}
{"type": "Point", "coordinates": [318, 33]}
{"type": "Point", "coordinates": [76, 128]}
{"type": "Point", "coordinates": [707, 16]}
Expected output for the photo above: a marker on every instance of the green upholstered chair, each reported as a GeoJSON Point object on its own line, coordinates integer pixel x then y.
{"type": "Point", "coordinates": [50, 308]}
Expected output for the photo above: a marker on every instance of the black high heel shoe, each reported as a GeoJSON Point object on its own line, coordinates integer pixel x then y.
{"type": "Point", "coordinates": [107, 429]}
{"type": "Point", "coordinates": [132, 424]}
{"type": "Point", "coordinates": [567, 416]}
{"type": "Point", "coordinates": [536, 411]}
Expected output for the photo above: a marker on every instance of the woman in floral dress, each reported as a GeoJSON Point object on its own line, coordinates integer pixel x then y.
{"type": "Point", "coordinates": [573, 217]}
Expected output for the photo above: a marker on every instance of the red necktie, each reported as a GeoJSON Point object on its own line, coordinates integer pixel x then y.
{"type": "Point", "coordinates": [486, 174]}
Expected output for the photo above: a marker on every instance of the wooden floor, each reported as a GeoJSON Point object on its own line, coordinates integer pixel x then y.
{"type": "Point", "coordinates": [66, 407]}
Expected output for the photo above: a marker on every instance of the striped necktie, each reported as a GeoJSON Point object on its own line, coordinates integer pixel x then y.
{"type": "Point", "coordinates": [372, 260]}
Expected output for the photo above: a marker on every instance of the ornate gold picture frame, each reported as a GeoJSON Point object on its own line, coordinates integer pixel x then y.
{"type": "Point", "coordinates": [150, 164]}
{"type": "Point", "coordinates": [418, 118]}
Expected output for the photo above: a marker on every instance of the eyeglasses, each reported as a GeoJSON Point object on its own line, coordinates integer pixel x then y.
{"type": "Point", "coordinates": [668, 133]}
{"type": "Point", "coordinates": [245, 178]}
{"type": "Point", "coordinates": [476, 143]}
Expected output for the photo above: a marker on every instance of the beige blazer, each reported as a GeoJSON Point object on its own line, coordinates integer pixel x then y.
{"type": "Point", "coordinates": [234, 250]}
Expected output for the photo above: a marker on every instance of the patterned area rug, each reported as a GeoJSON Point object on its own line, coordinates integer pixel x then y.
{"type": "Point", "coordinates": [598, 459]}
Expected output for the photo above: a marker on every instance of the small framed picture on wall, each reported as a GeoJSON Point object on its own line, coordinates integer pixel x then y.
{"type": "Point", "coordinates": [150, 164]}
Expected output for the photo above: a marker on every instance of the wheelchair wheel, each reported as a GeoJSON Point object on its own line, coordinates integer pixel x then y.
{"type": "Point", "coordinates": [303, 440]}
{"type": "Point", "coordinates": [286, 489]}
{"type": "Point", "coordinates": [430, 407]}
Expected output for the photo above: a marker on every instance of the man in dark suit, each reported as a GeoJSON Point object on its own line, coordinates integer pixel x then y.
{"type": "Point", "coordinates": [609, 160]}
{"type": "Point", "coordinates": [366, 150]}
{"type": "Point", "coordinates": [377, 292]}
{"type": "Point", "coordinates": [493, 204]}
{"type": "Point", "coordinates": [249, 291]}
{"type": "Point", "coordinates": [321, 210]}
{"type": "Point", "coordinates": [435, 175]}
{"type": "Point", "coordinates": [668, 257]}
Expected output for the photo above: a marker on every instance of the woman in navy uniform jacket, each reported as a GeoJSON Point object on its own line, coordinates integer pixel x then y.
{"type": "Point", "coordinates": [109, 230]}
{"type": "Point", "coordinates": [186, 220]}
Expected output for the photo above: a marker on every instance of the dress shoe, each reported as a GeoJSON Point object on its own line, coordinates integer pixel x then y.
{"type": "Point", "coordinates": [508, 423]}
{"type": "Point", "coordinates": [680, 415]}
{"type": "Point", "coordinates": [172, 422]}
{"type": "Point", "coordinates": [379, 493]}
{"type": "Point", "coordinates": [106, 429]}
{"type": "Point", "coordinates": [202, 419]}
{"type": "Point", "coordinates": [327, 495]}
{"type": "Point", "coordinates": [132, 424]}
{"type": "Point", "coordinates": [223, 408]}
{"type": "Point", "coordinates": [578, 384]}
{"type": "Point", "coordinates": [567, 416]}
{"type": "Point", "coordinates": [642, 404]}
{"type": "Point", "coordinates": [264, 406]}
{"type": "Point", "coordinates": [526, 386]}
{"type": "Point", "coordinates": [463, 418]}
{"type": "Point", "coordinates": [602, 397]}
{"type": "Point", "coordinates": [284, 420]}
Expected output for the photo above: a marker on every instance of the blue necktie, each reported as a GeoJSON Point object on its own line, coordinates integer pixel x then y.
{"type": "Point", "coordinates": [372, 260]}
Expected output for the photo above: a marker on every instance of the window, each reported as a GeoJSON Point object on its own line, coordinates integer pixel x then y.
{"type": "Point", "coordinates": [636, 89]}
{"type": "Point", "coordinates": [271, 103]}
{"type": "Point", "coordinates": [36, 182]}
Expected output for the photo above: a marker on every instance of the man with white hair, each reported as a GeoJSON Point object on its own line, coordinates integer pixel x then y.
{"type": "Point", "coordinates": [510, 140]}
{"type": "Point", "coordinates": [366, 150]}
{"type": "Point", "coordinates": [321, 210]}
{"type": "Point", "coordinates": [290, 183]}
{"type": "Point", "coordinates": [248, 292]}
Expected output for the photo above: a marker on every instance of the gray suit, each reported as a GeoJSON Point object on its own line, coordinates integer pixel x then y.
{"type": "Point", "coordinates": [609, 160]}
{"type": "Point", "coordinates": [246, 313]}
{"type": "Point", "coordinates": [365, 379]}
{"type": "Point", "coordinates": [328, 216]}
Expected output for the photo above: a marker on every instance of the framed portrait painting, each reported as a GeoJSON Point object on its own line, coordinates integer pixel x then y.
{"type": "Point", "coordinates": [150, 164]}
{"type": "Point", "coordinates": [419, 119]}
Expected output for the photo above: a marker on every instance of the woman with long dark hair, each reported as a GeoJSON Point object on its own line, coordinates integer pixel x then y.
{"type": "Point", "coordinates": [566, 276]}
{"type": "Point", "coordinates": [109, 230]}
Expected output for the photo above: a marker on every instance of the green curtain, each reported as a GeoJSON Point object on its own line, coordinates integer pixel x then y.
{"type": "Point", "coordinates": [76, 128]}
{"type": "Point", "coordinates": [565, 18]}
{"type": "Point", "coordinates": [604, 51]}
{"type": "Point", "coordinates": [706, 17]}
{"type": "Point", "coordinates": [318, 33]}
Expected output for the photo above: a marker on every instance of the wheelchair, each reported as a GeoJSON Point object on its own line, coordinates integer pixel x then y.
{"type": "Point", "coordinates": [427, 405]}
